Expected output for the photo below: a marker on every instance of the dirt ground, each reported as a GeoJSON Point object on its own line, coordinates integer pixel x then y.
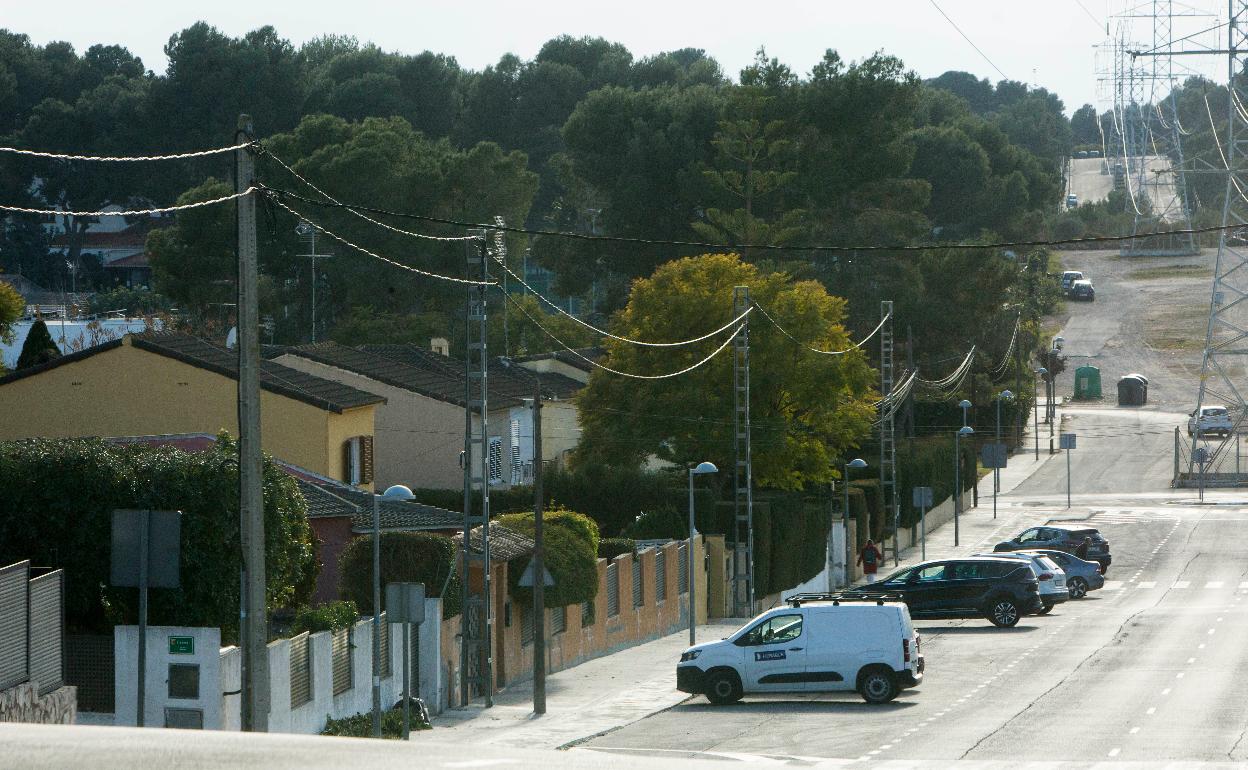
{"type": "Point", "coordinates": [1149, 317]}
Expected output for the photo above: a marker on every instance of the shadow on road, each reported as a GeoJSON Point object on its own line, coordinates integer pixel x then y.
{"type": "Point", "coordinates": [970, 630]}
{"type": "Point", "coordinates": [797, 706]}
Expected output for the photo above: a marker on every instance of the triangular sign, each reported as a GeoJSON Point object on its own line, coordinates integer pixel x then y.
{"type": "Point", "coordinates": [526, 580]}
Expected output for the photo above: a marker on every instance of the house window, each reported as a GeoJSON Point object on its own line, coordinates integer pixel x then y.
{"type": "Point", "coordinates": [496, 460]}
{"type": "Point", "coordinates": [358, 460]}
{"type": "Point", "coordinates": [517, 466]}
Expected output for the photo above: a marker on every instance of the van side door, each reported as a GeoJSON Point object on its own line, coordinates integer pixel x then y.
{"type": "Point", "coordinates": [775, 653]}
{"type": "Point", "coordinates": [833, 650]}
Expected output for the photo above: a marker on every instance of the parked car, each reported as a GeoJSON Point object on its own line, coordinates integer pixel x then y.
{"type": "Point", "coordinates": [1051, 578]}
{"type": "Point", "coordinates": [1213, 419]}
{"type": "Point", "coordinates": [999, 589]}
{"type": "Point", "coordinates": [1082, 289]}
{"type": "Point", "coordinates": [817, 643]}
{"type": "Point", "coordinates": [1094, 153]}
{"type": "Point", "coordinates": [1081, 154]}
{"type": "Point", "coordinates": [1060, 537]}
{"type": "Point", "coordinates": [1081, 575]}
{"type": "Point", "coordinates": [1069, 277]}
{"type": "Point", "coordinates": [1072, 201]}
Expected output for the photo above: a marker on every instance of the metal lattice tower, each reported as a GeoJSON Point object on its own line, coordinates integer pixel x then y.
{"type": "Point", "coordinates": [743, 467]}
{"type": "Point", "coordinates": [1226, 332]}
{"type": "Point", "coordinates": [888, 434]}
{"type": "Point", "coordinates": [476, 656]}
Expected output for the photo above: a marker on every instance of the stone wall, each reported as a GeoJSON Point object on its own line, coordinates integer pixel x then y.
{"type": "Point", "coordinates": [24, 704]}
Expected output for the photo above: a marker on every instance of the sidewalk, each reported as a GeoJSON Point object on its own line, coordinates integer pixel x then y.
{"type": "Point", "coordinates": [582, 701]}
{"type": "Point", "coordinates": [621, 688]}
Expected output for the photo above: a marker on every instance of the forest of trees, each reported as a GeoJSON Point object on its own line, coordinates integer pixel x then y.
{"type": "Point", "coordinates": [584, 137]}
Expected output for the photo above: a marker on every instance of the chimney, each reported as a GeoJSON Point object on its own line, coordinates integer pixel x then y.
{"type": "Point", "coordinates": [440, 345]}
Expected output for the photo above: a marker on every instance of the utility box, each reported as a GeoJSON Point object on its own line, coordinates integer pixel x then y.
{"type": "Point", "coordinates": [1132, 391]}
{"type": "Point", "coordinates": [1087, 383]}
{"type": "Point", "coordinates": [183, 677]}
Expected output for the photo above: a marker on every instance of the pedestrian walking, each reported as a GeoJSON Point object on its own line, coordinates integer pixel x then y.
{"type": "Point", "coordinates": [1082, 550]}
{"type": "Point", "coordinates": [870, 557]}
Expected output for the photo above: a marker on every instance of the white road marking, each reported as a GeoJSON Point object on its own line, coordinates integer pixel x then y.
{"type": "Point", "coordinates": [1244, 584]}
{"type": "Point", "coordinates": [1211, 631]}
{"type": "Point", "coordinates": [1134, 730]}
{"type": "Point", "coordinates": [1114, 752]}
{"type": "Point", "coordinates": [1148, 584]}
{"type": "Point", "coordinates": [1200, 646]}
{"type": "Point", "coordinates": [1166, 691]}
{"type": "Point", "coordinates": [1179, 675]}
{"type": "Point", "coordinates": [1191, 660]}
{"type": "Point", "coordinates": [1214, 584]}
{"type": "Point", "coordinates": [1151, 710]}
{"type": "Point", "coordinates": [1181, 584]}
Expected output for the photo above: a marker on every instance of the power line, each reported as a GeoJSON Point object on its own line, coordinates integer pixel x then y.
{"type": "Point", "coordinates": [127, 158]}
{"type": "Point", "coordinates": [1095, 20]}
{"type": "Point", "coordinates": [743, 246]}
{"type": "Point", "coordinates": [131, 213]}
{"type": "Point", "coordinates": [967, 39]}
{"type": "Point", "coordinates": [852, 347]}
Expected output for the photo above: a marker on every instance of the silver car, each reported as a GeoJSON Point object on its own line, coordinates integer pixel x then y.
{"type": "Point", "coordinates": [1081, 575]}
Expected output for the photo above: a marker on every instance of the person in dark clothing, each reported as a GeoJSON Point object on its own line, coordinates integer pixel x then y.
{"type": "Point", "coordinates": [1082, 550]}
{"type": "Point", "coordinates": [870, 557]}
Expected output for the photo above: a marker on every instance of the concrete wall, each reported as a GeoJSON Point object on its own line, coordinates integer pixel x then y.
{"type": "Point", "coordinates": [131, 392]}
{"type": "Point", "coordinates": [206, 655]}
{"type": "Point", "coordinates": [23, 703]}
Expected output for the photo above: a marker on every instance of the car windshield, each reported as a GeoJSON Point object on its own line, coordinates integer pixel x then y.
{"type": "Point", "coordinates": [899, 576]}
{"type": "Point", "coordinates": [1048, 563]}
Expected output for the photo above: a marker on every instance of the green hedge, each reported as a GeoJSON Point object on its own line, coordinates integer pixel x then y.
{"type": "Point", "coordinates": [619, 498]}
{"type": "Point", "coordinates": [56, 503]}
{"type": "Point", "coordinates": [790, 535]}
{"type": "Point", "coordinates": [611, 547]}
{"type": "Point", "coordinates": [928, 462]}
{"type": "Point", "coordinates": [411, 557]}
{"type": "Point", "coordinates": [571, 556]}
{"type": "Point", "coordinates": [325, 617]}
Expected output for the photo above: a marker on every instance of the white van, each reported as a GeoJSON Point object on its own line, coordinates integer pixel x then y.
{"type": "Point", "coordinates": [816, 643]}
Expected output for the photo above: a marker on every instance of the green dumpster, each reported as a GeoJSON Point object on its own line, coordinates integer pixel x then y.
{"type": "Point", "coordinates": [1087, 383]}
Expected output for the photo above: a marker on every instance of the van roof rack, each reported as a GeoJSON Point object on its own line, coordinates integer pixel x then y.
{"type": "Point", "coordinates": [797, 600]}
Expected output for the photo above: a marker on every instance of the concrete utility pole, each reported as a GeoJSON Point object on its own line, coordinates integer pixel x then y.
{"type": "Point", "coordinates": [253, 613]}
{"type": "Point", "coordinates": [539, 564]}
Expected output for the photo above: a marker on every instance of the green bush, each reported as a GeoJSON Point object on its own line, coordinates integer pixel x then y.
{"type": "Point", "coordinates": [876, 513]}
{"type": "Point", "coordinates": [361, 725]}
{"type": "Point", "coordinates": [56, 510]}
{"type": "Point", "coordinates": [501, 500]}
{"type": "Point", "coordinates": [611, 547]}
{"type": "Point", "coordinates": [616, 497]}
{"type": "Point", "coordinates": [406, 557]}
{"type": "Point", "coordinates": [665, 522]}
{"type": "Point", "coordinates": [134, 302]}
{"type": "Point", "coordinates": [928, 462]}
{"type": "Point", "coordinates": [325, 617]}
{"type": "Point", "coordinates": [571, 556]}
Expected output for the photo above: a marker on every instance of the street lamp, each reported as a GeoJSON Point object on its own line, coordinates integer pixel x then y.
{"type": "Point", "coordinates": [1004, 395]}
{"type": "Point", "coordinates": [859, 463]}
{"type": "Point", "coordinates": [398, 493]}
{"type": "Point", "coordinates": [1035, 402]}
{"type": "Point", "coordinates": [700, 469]}
{"type": "Point", "coordinates": [965, 430]}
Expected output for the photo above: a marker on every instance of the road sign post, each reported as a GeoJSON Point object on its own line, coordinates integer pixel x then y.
{"type": "Point", "coordinates": [405, 603]}
{"type": "Point", "coordinates": [1201, 456]}
{"type": "Point", "coordinates": [994, 456]}
{"type": "Point", "coordinates": [922, 499]}
{"type": "Point", "coordinates": [1067, 442]}
{"type": "Point", "coordinates": [145, 550]}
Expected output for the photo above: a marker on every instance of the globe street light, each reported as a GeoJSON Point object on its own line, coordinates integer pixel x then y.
{"type": "Point", "coordinates": [398, 493]}
{"type": "Point", "coordinates": [698, 470]}
{"type": "Point", "coordinates": [1004, 395]}
{"type": "Point", "coordinates": [859, 463]}
{"type": "Point", "coordinates": [1035, 402]}
{"type": "Point", "coordinates": [965, 430]}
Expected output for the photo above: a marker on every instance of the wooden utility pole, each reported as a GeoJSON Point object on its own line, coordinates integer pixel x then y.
{"type": "Point", "coordinates": [253, 613]}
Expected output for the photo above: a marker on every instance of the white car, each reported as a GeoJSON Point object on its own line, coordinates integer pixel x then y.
{"type": "Point", "coordinates": [817, 643]}
{"type": "Point", "coordinates": [1069, 277]}
{"type": "Point", "coordinates": [1213, 419]}
{"type": "Point", "coordinates": [1051, 578]}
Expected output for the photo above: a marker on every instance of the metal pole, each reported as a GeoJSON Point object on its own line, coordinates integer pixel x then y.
{"type": "Point", "coordinates": [376, 617]}
{"type": "Point", "coordinates": [539, 556]}
{"type": "Point", "coordinates": [313, 287]}
{"type": "Point", "coordinates": [845, 518]}
{"type": "Point", "coordinates": [144, 523]}
{"type": "Point", "coordinates": [407, 658]}
{"type": "Point", "coordinates": [250, 461]}
{"type": "Point", "coordinates": [923, 523]}
{"type": "Point", "coordinates": [1068, 478]}
{"type": "Point", "coordinates": [693, 602]}
{"type": "Point", "coordinates": [957, 485]}
{"type": "Point", "coordinates": [1035, 428]}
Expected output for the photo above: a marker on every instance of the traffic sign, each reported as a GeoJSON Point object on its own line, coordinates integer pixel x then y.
{"type": "Point", "coordinates": [405, 602]}
{"type": "Point", "coordinates": [526, 579]}
{"type": "Point", "coordinates": [922, 497]}
{"type": "Point", "coordinates": [1067, 441]}
{"type": "Point", "coordinates": [993, 455]}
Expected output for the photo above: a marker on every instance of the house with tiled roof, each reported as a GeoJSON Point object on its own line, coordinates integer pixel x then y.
{"type": "Point", "coordinates": [420, 427]}
{"type": "Point", "coordinates": [152, 384]}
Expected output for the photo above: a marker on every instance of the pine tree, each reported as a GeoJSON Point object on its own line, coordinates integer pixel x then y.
{"type": "Point", "coordinates": [38, 348]}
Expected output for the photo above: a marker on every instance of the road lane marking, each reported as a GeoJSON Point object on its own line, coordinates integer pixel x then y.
{"type": "Point", "coordinates": [1181, 584]}
{"type": "Point", "coordinates": [1179, 675]}
{"type": "Point", "coordinates": [1148, 584]}
{"type": "Point", "coordinates": [1151, 710]}
{"type": "Point", "coordinates": [1214, 584]}
{"type": "Point", "coordinates": [1244, 584]}
{"type": "Point", "coordinates": [1191, 660]}
{"type": "Point", "coordinates": [1200, 646]}
{"type": "Point", "coordinates": [1114, 752]}
{"type": "Point", "coordinates": [1211, 631]}
{"type": "Point", "coordinates": [1134, 730]}
{"type": "Point", "coordinates": [1166, 691]}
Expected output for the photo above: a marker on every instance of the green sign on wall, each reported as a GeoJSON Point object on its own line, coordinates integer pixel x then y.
{"type": "Point", "coordinates": [181, 645]}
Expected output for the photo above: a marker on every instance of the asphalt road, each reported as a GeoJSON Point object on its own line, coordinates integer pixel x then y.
{"type": "Point", "coordinates": [1086, 180]}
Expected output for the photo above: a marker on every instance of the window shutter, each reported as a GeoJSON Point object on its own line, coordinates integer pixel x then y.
{"type": "Point", "coordinates": [366, 459]}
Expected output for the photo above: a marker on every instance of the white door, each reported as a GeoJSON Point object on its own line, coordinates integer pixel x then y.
{"type": "Point", "coordinates": [775, 654]}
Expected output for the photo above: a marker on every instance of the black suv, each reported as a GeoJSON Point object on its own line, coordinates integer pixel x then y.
{"type": "Point", "coordinates": [1060, 537]}
{"type": "Point", "coordinates": [1001, 590]}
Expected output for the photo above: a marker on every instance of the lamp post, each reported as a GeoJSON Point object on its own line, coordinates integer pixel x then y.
{"type": "Point", "coordinates": [397, 492]}
{"type": "Point", "coordinates": [1035, 402]}
{"type": "Point", "coordinates": [1004, 395]}
{"type": "Point", "coordinates": [698, 470]}
{"type": "Point", "coordinates": [857, 462]}
{"type": "Point", "coordinates": [965, 430]}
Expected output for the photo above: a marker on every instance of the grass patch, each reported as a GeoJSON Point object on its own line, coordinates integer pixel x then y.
{"type": "Point", "coordinates": [361, 725]}
{"type": "Point", "coordinates": [1170, 271]}
{"type": "Point", "coordinates": [1176, 327]}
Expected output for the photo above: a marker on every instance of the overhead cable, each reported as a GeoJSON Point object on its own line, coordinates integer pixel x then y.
{"type": "Point", "coordinates": [967, 39]}
{"type": "Point", "coordinates": [377, 256]}
{"type": "Point", "coordinates": [606, 368]}
{"type": "Point", "coordinates": [1005, 360]}
{"type": "Point", "coordinates": [128, 213]}
{"type": "Point", "coordinates": [423, 236]}
{"type": "Point", "coordinates": [608, 334]}
{"type": "Point", "coordinates": [852, 347]}
{"type": "Point", "coordinates": [587, 237]}
{"type": "Point", "coordinates": [125, 158]}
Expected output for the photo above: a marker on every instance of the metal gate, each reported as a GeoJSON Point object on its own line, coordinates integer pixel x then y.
{"type": "Point", "coordinates": [300, 670]}
{"type": "Point", "coordinates": [89, 667]}
{"type": "Point", "coordinates": [613, 589]}
{"type": "Point", "coordinates": [14, 628]}
{"type": "Point", "coordinates": [682, 569]}
{"type": "Point", "coordinates": [638, 598]}
{"type": "Point", "coordinates": [660, 574]}
{"type": "Point", "coordinates": [47, 630]}
{"type": "Point", "coordinates": [340, 653]}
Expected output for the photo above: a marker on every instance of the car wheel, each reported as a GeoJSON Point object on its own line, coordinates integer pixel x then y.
{"type": "Point", "coordinates": [878, 686]}
{"type": "Point", "coordinates": [1046, 608]}
{"type": "Point", "coordinates": [1003, 613]}
{"type": "Point", "coordinates": [723, 687]}
{"type": "Point", "coordinates": [1078, 588]}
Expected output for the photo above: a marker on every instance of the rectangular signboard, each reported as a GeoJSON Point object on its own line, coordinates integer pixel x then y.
{"type": "Point", "coordinates": [993, 455]}
{"type": "Point", "coordinates": [181, 645]}
{"type": "Point", "coordinates": [1067, 441]}
{"type": "Point", "coordinates": [922, 497]}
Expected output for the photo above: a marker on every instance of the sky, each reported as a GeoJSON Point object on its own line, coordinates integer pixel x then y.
{"type": "Point", "coordinates": [1049, 44]}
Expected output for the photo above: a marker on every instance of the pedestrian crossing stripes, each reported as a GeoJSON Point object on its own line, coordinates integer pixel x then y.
{"type": "Point", "coordinates": [1116, 585]}
{"type": "Point", "coordinates": [1129, 516]}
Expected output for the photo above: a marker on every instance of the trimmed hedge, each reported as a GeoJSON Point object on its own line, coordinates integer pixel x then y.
{"type": "Point", "coordinates": [571, 556]}
{"type": "Point", "coordinates": [790, 535]}
{"type": "Point", "coordinates": [611, 547]}
{"type": "Point", "coordinates": [415, 557]}
{"type": "Point", "coordinates": [325, 617]}
{"type": "Point", "coordinates": [617, 498]}
{"type": "Point", "coordinates": [928, 462]}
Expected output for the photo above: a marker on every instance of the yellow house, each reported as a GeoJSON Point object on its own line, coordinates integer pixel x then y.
{"type": "Point", "coordinates": [173, 383]}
